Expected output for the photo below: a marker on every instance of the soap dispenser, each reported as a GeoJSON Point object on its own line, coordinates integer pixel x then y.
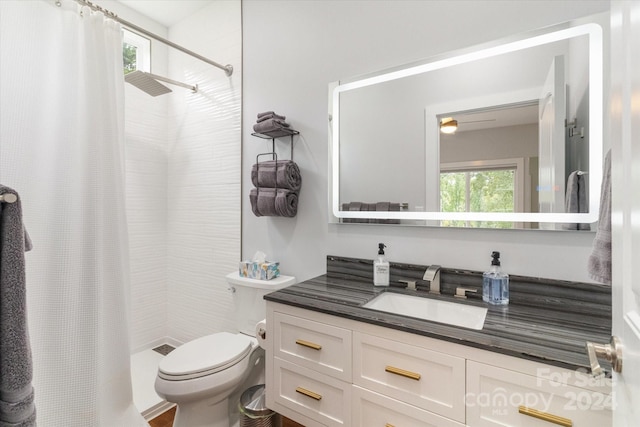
{"type": "Point", "coordinates": [381, 268]}
{"type": "Point", "coordinates": [495, 283]}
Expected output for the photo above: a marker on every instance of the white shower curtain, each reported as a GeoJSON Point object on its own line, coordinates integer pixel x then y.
{"type": "Point", "coordinates": [61, 148]}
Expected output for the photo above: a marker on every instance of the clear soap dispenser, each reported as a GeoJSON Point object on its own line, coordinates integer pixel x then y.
{"type": "Point", "coordinates": [495, 283]}
{"type": "Point", "coordinates": [381, 268]}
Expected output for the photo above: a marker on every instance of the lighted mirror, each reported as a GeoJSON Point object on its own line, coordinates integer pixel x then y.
{"type": "Point", "coordinates": [506, 135]}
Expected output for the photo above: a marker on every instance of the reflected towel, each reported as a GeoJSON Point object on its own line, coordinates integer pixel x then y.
{"type": "Point", "coordinates": [599, 264]}
{"type": "Point", "coordinates": [16, 392]}
{"type": "Point", "coordinates": [276, 174]}
{"type": "Point", "coordinates": [270, 125]}
{"type": "Point", "coordinates": [576, 199]}
{"type": "Point", "coordinates": [353, 206]}
{"type": "Point", "coordinates": [273, 202]}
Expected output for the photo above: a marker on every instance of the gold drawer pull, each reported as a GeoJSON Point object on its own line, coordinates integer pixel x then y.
{"type": "Point", "coordinates": [393, 370]}
{"type": "Point", "coordinates": [308, 393]}
{"type": "Point", "coordinates": [309, 344]}
{"type": "Point", "coordinates": [555, 419]}
{"type": "Point", "coordinates": [389, 425]}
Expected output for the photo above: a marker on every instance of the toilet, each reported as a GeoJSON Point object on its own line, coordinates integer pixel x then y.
{"type": "Point", "coordinates": [206, 376]}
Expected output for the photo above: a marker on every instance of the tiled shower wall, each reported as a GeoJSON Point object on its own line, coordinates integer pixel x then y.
{"type": "Point", "coordinates": [146, 183]}
{"type": "Point", "coordinates": [203, 199]}
{"type": "Point", "coordinates": [183, 183]}
{"type": "Point", "coordinates": [146, 136]}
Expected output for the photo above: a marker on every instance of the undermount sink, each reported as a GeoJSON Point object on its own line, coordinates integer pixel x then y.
{"type": "Point", "coordinates": [451, 313]}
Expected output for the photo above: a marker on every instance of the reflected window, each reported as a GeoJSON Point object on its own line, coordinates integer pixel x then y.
{"type": "Point", "coordinates": [478, 189]}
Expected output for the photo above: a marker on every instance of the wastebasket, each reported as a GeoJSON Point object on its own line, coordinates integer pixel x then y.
{"type": "Point", "coordinates": [253, 409]}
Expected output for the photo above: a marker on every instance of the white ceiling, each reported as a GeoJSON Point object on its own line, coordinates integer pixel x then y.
{"type": "Point", "coordinates": [497, 117]}
{"type": "Point", "coordinates": [166, 12]}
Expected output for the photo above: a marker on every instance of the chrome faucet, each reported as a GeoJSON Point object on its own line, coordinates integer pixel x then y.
{"type": "Point", "coordinates": [432, 275]}
{"type": "Point", "coordinates": [462, 292]}
{"type": "Point", "coordinates": [411, 284]}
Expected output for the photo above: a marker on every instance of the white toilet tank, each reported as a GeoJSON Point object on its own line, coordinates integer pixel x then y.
{"type": "Point", "coordinates": [250, 307]}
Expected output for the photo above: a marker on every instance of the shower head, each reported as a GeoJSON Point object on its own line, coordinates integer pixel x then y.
{"type": "Point", "coordinates": [149, 83]}
{"type": "Point", "coordinates": [146, 83]}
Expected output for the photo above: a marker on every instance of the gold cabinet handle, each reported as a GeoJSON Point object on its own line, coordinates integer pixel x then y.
{"type": "Point", "coordinates": [308, 393]}
{"type": "Point", "coordinates": [555, 419]}
{"type": "Point", "coordinates": [389, 425]}
{"type": "Point", "coordinates": [408, 374]}
{"type": "Point", "coordinates": [309, 344]}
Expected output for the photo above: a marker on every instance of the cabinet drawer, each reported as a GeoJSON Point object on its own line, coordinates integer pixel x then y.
{"type": "Point", "coordinates": [427, 379]}
{"type": "Point", "coordinates": [314, 395]}
{"type": "Point", "coordinates": [371, 409]}
{"type": "Point", "coordinates": [496, 397]}
{"type": "Point", "coordinates": [321, 347]}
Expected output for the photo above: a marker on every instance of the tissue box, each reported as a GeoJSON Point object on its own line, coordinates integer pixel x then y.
{"type": "Point", "coordinates": [259, 270]}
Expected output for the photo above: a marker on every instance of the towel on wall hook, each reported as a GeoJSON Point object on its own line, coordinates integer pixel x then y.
{"type": "Point", "coordinates": [16, 392]}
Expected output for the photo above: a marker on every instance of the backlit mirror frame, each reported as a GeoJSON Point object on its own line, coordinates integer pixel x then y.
{"type": "Point", "coordinates": [553, 34]}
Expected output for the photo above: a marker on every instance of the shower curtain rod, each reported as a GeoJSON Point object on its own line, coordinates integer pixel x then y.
{"type": "Point", "coordinates": [228, 69]}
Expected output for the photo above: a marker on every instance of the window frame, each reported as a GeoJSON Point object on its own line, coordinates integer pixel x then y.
{"type": "Point", "coordinates": [143, 48]}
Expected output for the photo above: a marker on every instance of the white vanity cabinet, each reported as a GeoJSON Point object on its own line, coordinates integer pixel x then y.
{"type": "Point", "coordinates": [325, 370]}
{"type": "Point", "coordinates": [499, 397]}
{"type": "Point", "coordinates": [428, 379]}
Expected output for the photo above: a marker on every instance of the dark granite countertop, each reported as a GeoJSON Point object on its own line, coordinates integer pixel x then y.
{"type": "Point", "coordinates": [548, 329]}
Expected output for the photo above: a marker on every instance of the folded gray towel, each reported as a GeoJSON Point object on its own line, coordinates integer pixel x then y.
{"type": "Point", "coordinates": [599, 263]}
{"type": "Point", "coordinates": [265, 113]}
{"type": "Point", "coordinates": [270, 125]}
{"type": "Point", "coordinates": [270, 115]}
{"type": "Point", "coordinates": [16, 392]}
{"type": "Point", "coordinates": [276, 174]}
{"type": "Point", "coordinates": [273, 202]}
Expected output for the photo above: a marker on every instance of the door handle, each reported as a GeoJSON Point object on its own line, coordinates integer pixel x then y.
{"type": "Point", "coordinates": [611, 352]}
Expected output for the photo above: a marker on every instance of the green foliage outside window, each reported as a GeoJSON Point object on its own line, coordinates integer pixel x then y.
{"type": "Point", "coordinates": [129, 58]}
{"type": "Point", "coordinates": [487, 190]}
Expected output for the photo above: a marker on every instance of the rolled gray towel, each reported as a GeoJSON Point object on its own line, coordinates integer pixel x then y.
{"type": "Point", "coordinates": [263, 201]}
{"type": "Point", "coordinates": [276, 174]}
{"type": "Point", "coordinates": [270, 115]}
{"type": "Point", "coordinates": [270, 125]}
{"type": "Point", "coordinates": [287, 202]}
{"type": "Point", "coordinates": [273, 202]}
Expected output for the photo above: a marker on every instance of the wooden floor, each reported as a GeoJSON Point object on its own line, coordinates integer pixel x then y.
{"type": "Point", "coordinates": [286, 422]}
{"type": "Point", "coordinates": [166, 420]}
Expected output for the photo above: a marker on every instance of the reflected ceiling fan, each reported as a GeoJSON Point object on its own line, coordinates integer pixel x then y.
{"type": "Point", "coordinates": [450, 125]}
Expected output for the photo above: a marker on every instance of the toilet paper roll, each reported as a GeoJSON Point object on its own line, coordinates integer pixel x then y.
{"type": "Point", "coordinates": [261, 332]}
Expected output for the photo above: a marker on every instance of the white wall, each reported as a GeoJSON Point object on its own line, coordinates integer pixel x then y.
{"type": "Point", "coordinates": [292, 50]}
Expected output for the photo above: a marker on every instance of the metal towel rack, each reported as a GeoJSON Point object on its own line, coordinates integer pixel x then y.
{"type": "Point", "coordinates": [277, 134]}
{"type": "Point", "coordinates": [8, 198]}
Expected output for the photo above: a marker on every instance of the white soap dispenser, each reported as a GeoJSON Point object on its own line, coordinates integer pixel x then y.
{"type": "Point", "coordinates": [381, 268]}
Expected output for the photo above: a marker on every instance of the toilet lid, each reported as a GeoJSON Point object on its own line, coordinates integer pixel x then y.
{"type": "Point", "coordinates": [204, 356]}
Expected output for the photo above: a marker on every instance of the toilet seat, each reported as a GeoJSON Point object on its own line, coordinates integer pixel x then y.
{"type": "Point", "coordinates": [204, 356]}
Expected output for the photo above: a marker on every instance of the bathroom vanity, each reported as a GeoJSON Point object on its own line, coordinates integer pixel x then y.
{"type": "Point", "coordinates": [331, 362]}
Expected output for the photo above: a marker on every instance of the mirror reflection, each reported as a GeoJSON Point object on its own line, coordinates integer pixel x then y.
{"type": "Point", "coordinates": [501, 137]}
